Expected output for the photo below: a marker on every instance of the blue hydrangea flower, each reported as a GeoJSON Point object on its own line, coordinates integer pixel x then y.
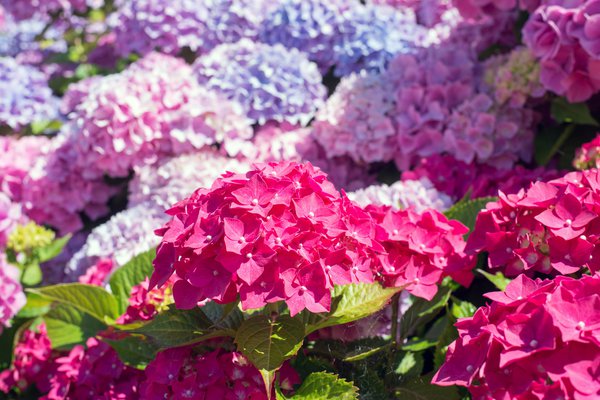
{"type": "Point", "coordinates": [311, 26]}
{"type": "Point", "coordinates": [371, 35]}
{"type": "Point", "coordinates": [26, 97]}
{"type": "Point", "coordinates": [269, 81]}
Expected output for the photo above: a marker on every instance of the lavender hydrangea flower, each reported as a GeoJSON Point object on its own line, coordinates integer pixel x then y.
{"type": "Point", "coordinates": [271, 82]}
{"type": "Point", "coordinates": [178, 177]}
{"type": "Point", "coordinates": [26, 9]}
{"type": "Point", "coordinates": [311, 26]}
{"type": "Point", "coordinates": [122, 237]}
{"type": "Point", "coordinates": [371, 35]}
{"type": "Point", "coordinates": [26, 97]}
{"type": "Point", "coordinates": [12, 298]}
{"type": "Point", "coordinates": [419, 195]}
{"type": "Point", "coordinates": [142, 26]}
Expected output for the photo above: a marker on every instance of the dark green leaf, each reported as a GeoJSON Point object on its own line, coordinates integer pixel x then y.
{"type": "Point", "coordinates": [325, 386]}
{"type": "Point", "coordinates": [93, 300]}
{"type": "Point", "coordinates": [134, 350]}
{"type": "Point", "coordinates": [410, 365]}
{"type": "Point", "coordinates": [421, 389]}
{"type": "Point", "coordinates": [466, 211]}
{"type": "Point", "coordinates": [129, 275]}
{"type": "Point", "coordinates": [68, 326]}
{"type": "Point", "coordinates": [423, 311]}
{"type": "Point", "coordinates": [573, 113]}
{"type": "Point", "coordinates": [498, 279]}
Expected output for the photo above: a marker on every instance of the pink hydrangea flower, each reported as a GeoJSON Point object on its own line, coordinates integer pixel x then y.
{"type": "Point", "coordinates": [98, 273]}
{"type": "Point", "coordinates": [12, 298]}
{"type": "Point", "coordinates": [32, 362]}
{"type": "Point", "coordinates": [550, 227]}
{"type": "Point", "coordinates": [145, 303]}
{"type": "Point", "coordinates": [588, 155]}
{"type": "Point", "coordinates": [11, 215]}
{"type": "Point", "coordinates": [185, 374]}
{"type": "Point", "coordinates": [537, 339]}
{"type": "Point", "coordinates": [19, 157]}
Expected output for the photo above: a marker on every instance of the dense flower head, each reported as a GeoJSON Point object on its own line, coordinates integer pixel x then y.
{"type": "Point", "coordinates": [561, 35]}
{"type": "Point", "coordinates": [151, 110]}
{"type": "Point", "coordinates": [26, 97]}
{"type": "Point", "coordinates": [418, 195]}
{"type": "Point", "coordinates": [514, 77]}
{"type": "Point", "coordinates": [12, 298]}
{"type": "Point", "coordinates": [358, 120]}
{"type": "Point", "coordinates": [142, 26]}
{"type": "Point", "coordinates": [588, 155]}
{"type": "Point", "coordinates": [94, 371]}
{"type": "Point", "coordinates": [26, 9]}
{"type": "Point", "coordinates": [19, 155]}
{"type": "Point", "coordinates": [28, 237]}
{"type": "Point", "coordinates": [176, 178]}
{"type": "Point", "coordinates": [55, 191]}
{"type": "Point", "coordinates": [536, 340]}
{"type": "Point", "coordinates": [145, 303]}
{"type": "Point", "coordinates": [270, 81]}
{"type": "Point", "coordinates": [282, 232]}
{"type": "Point", "coordinates": [457, 178]}
{"type": "Point", "coordinates": [429, 12]}
{"type": "Point", "coordinates": [18, 39]}
{"type": "Point", "coordinates": [185, 374]}
{"type": "Point", "coordinates": [310, 26]}
{"type": "Point", "coordinates": [122, 237]}
{"type": "Point", "coordinates": [420, 250]}
{"type": "Point", "coordinates": [32, 362]}
{"type": "Point", "coordinates": [11, 215]}
{"type": "Point", "coordinates": [286, 142]}
{"type": "Point", "coordinates": [552, 227]}
{"type": "Point", "coordinates": [371, 35]}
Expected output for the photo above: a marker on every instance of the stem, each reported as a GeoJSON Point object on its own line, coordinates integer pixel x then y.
{"type": "Point", "coordinates": [558, 144]}
{"type": "Point", "coordinates": [395, 343]}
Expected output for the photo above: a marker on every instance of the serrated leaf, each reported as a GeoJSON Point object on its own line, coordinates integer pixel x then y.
{"type": "Point", "coordinates": [422, 311]}
{"type": "Point", "coordinates": [325, 386]}
{"type": "Point", "coordinates": [498, 279]}
{"type": "Point", "coordinates": [93, 300]}
{"type": "Point", "coordinates": [36, 305]}
{"type": "Point", "coordinates": [466, 211]}
{"type": "Point", "coordinates": [135, 351]}
{"type": "Point", "coordinates": [575, 113]}
{"type": "Point", "coordinates": [350, 303]}
{"type": "Point", "coordinates": [268, 343]}
{"type": "Point", "coordinates": [421, 389]}
{"type": "Point", "coordinates": [176, 328]}
{"type": "Point", "coordinates": [130, 275]}
{"type": "Point", "coordinates": [53, 249]}
{"type": "Point", "coordinates": [68, 326]}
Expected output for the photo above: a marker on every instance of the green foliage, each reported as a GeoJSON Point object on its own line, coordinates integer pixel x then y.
{"type": "Point", "coordinates": [68, 326]}
{"type": "Point", "coordinates": [422, 311]}
{"type": "Point", "coordinates": [134, 350]}
{"type": "Point", "coordinates": [323, 386]}
{"type": "Point", "coordinates": [350, 303]}
{"type": "Point", "coordinates": [573, 113]}
{"type": "Point", "coordinates": [129, 275]}
{"type": "Point", "coordinates": [36, 306]}
{"type": "Point", "coordinates": [410, 365]}
{"type": "Point", "coordinates": [498, 279]}
{"type": "Point", "coordinates": [92, 300]}
{"type": "Point", "coordinates": [268, 342]}
{"type": "Point", "coordinates": [421, 389]}
{"type": "Point", "coordinates": [466, 211]}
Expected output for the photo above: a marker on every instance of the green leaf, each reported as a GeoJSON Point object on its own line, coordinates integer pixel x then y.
{"type": "Point", "coordinates": [325, 386]}
{"type": "Point", "coordinates": [410, 365]}
{"type": "Point", "coordinates": [68, 326]}
{"type": "Point", "coordinates": [93, 300]}
{"type": "Point", "coordinates": [175, 328]}
{"type": "Point", "coordinates": [267, 343]}
{"type": "Point", "coordinates": [421, 389]}
{"type": "Point", "coordinates": [447, 335]}
{"type": "Point", "coordinates": [462, 309]}
{"type": "Point", "coordinates": [36, 305]}
{"type": "Point", "coordinates": [498, 279]}
{"type": "Point", "coordinates": [422, 311]}
{"type": "Point", "coordinates": [32, 275]}
{"type": "Point", "coordinates": [364, 348]}
{"type": "Point", "coordinates": [418, 345]}
{"type": "Point", "coordinates": [134, 350]}
{"type": "Point", "coordinates": [350, 303]}
{"type": "Point", "coordinates": [572, 113]}
{"type": "Point", "coordinates": [466, 211]}
{"type": "Point", "coordinates": [53, 249]}
{"type": "Point", "coordinates": [129, 275]}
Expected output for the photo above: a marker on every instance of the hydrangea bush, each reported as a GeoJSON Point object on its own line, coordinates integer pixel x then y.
{"type": "Point", "coordinates": [293, 200]}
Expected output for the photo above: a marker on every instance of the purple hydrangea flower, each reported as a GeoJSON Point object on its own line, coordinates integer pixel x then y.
{"type": "Point", "coordinates": [311, 26]}
{"type": "Point", "coordinates": [122, 237]}
{"type": "Point", "coordinates": [27, 9]}
{"type": "Point", "coordinates": [370, 36]}
{"type": "Point", "coordinates": [271, 82]}
{"type": "Point", "coordinates": [142, 26]}
{"type": "Point", "coordinates": [26, 97]}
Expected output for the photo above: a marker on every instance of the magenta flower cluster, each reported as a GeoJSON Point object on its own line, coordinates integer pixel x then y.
{"type": "Point", "coordinates": [536, 340]}
{"type": "Point", "coordinates": [552, 227]}
{"type": "Point", "coordinates": [283, 233]}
